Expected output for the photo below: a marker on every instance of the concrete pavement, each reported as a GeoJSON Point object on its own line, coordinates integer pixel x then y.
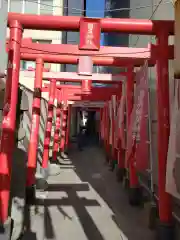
{"type": "Point", "coordinates": [85, 202]}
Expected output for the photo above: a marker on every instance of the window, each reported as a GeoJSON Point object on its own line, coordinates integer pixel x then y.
{"type": "Point", "coordinates": [28, 64]}
{"type": "Point", "coordinates": [15, 6]}
{"type": "Point", "coordinates": [31, 64]}
{"type": "Point", "coordinates": [46, 7]}
{"type": "Point", "coordinates": [31, 7]}
{"type": "Point", "coordinates": [42, 41]}
{"type": "Point", "coordinates": [43, 7]}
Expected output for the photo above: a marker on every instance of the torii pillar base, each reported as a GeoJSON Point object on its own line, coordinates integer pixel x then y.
{"type": "Point", "coordinates": [6, 229]}
{"type": "Point", "coordinates": [52, 170]}
{"type": "Point", "coordinates": [30, 195]}
{"type": "Point", "coordinates": [135, 196]}
{"type": "Point", "coordinates": [120, 173]}
{"type": "Point", "coordinates": [165, 231]}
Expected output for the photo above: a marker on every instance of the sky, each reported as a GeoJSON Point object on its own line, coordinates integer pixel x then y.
{"type": "Point", "coordinates": [95, 5]}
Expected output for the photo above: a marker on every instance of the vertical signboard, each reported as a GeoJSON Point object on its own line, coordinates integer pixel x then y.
{"type": "Point", "coordinates": [114, 112]}
{"type": "Point", "coordinates": [173, 157]}
{"type": "Point", "coordinates": [137, 137]}
{"type": "Point", "coordinates": [116, 125]}
{"type": "Point", "coordinates": [142, 115]}
{"type": "Point", "coordinates": [90, 34]}
{"type": "Point", "coordinates": [110, 121]}
{"type": "Point", "coordinates": [121, 126]}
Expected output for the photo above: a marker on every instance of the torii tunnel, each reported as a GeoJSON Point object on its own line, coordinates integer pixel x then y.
{"type": "Point", "coordinates": [123, 104]}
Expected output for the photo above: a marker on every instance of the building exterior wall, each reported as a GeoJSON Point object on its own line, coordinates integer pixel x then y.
{"type": "Point", "coordinates": [3, 21]}
{"type": "Point", "coordinates": [177, 37]}
{"type": "Point", "coordinates": [116, 39]}
{"type": "Point", "coordinates": [96, 11]}
{"type": "Point", "coordinates": [149, 9]}
{"type": "Point", "coordinates": [154, 11]}
{"type": "Point", "coordinates": [54, 7]}
{"type": "Point", "coordinates": [73, 8]}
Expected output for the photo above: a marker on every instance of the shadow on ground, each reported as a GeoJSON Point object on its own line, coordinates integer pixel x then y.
{"type": "Point", "coordinates": [85, 202]}
{"type": "Point", "coordinates": [90, 166]}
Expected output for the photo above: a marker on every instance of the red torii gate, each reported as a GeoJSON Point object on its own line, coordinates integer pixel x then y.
{"type": "Point", "coordinates": [18, 21]}
{"type": "Point", "coordinates": [73, 23]}
{"type": "Point", "coordinates": [149, 52]}
{"type": "Point", "coordinates": [68, 93]}
{"type": "Point", "coordinates": [75, 77]}
{"type": "Point", "coordinates": [39, 75]}
{"type": "Point", "coordinates": [107, 56]}
{"type": "Point", "coordinates": [74, 93]}
{"type": "Point", "coordinates": [102, 60]}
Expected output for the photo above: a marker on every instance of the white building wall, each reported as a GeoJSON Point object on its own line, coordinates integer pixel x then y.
{"type": "Point", "coordinates": [54, 36]}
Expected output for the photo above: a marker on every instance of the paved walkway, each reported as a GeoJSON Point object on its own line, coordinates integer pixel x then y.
{"type": "Point", "coordinates": [84, 202]}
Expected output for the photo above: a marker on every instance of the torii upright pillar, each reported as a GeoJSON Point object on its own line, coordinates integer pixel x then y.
{"type": "Point", "coordinates": [9, 120]}
{"type": "Point", "coordinates": [47, 137]}
{"type": "Point", "coordinates": [68, 127]}
{"type": "Point", "coordinates": [134, 189]}
{"type": "Point", "coordinates": [64, 129]}
{"type": "Point", "coordinates": [166, 226]}
{"type": "Point", "coordinates": [33, 143]}
{"type": "Point", "coordinates": [58, 126]}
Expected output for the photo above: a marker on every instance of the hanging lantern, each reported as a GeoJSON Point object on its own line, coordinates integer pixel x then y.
{"type": "Point", "coordinates": [86, 86]}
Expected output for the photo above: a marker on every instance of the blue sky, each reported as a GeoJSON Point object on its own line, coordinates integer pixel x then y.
{"type": "Point", "coordinates": [95, 5]}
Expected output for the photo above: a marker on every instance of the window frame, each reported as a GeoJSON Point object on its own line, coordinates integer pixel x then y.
{"type": "Point", "coordinates": [23, 6]}
{"type": "Point", "coordinates": [39, 8]}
